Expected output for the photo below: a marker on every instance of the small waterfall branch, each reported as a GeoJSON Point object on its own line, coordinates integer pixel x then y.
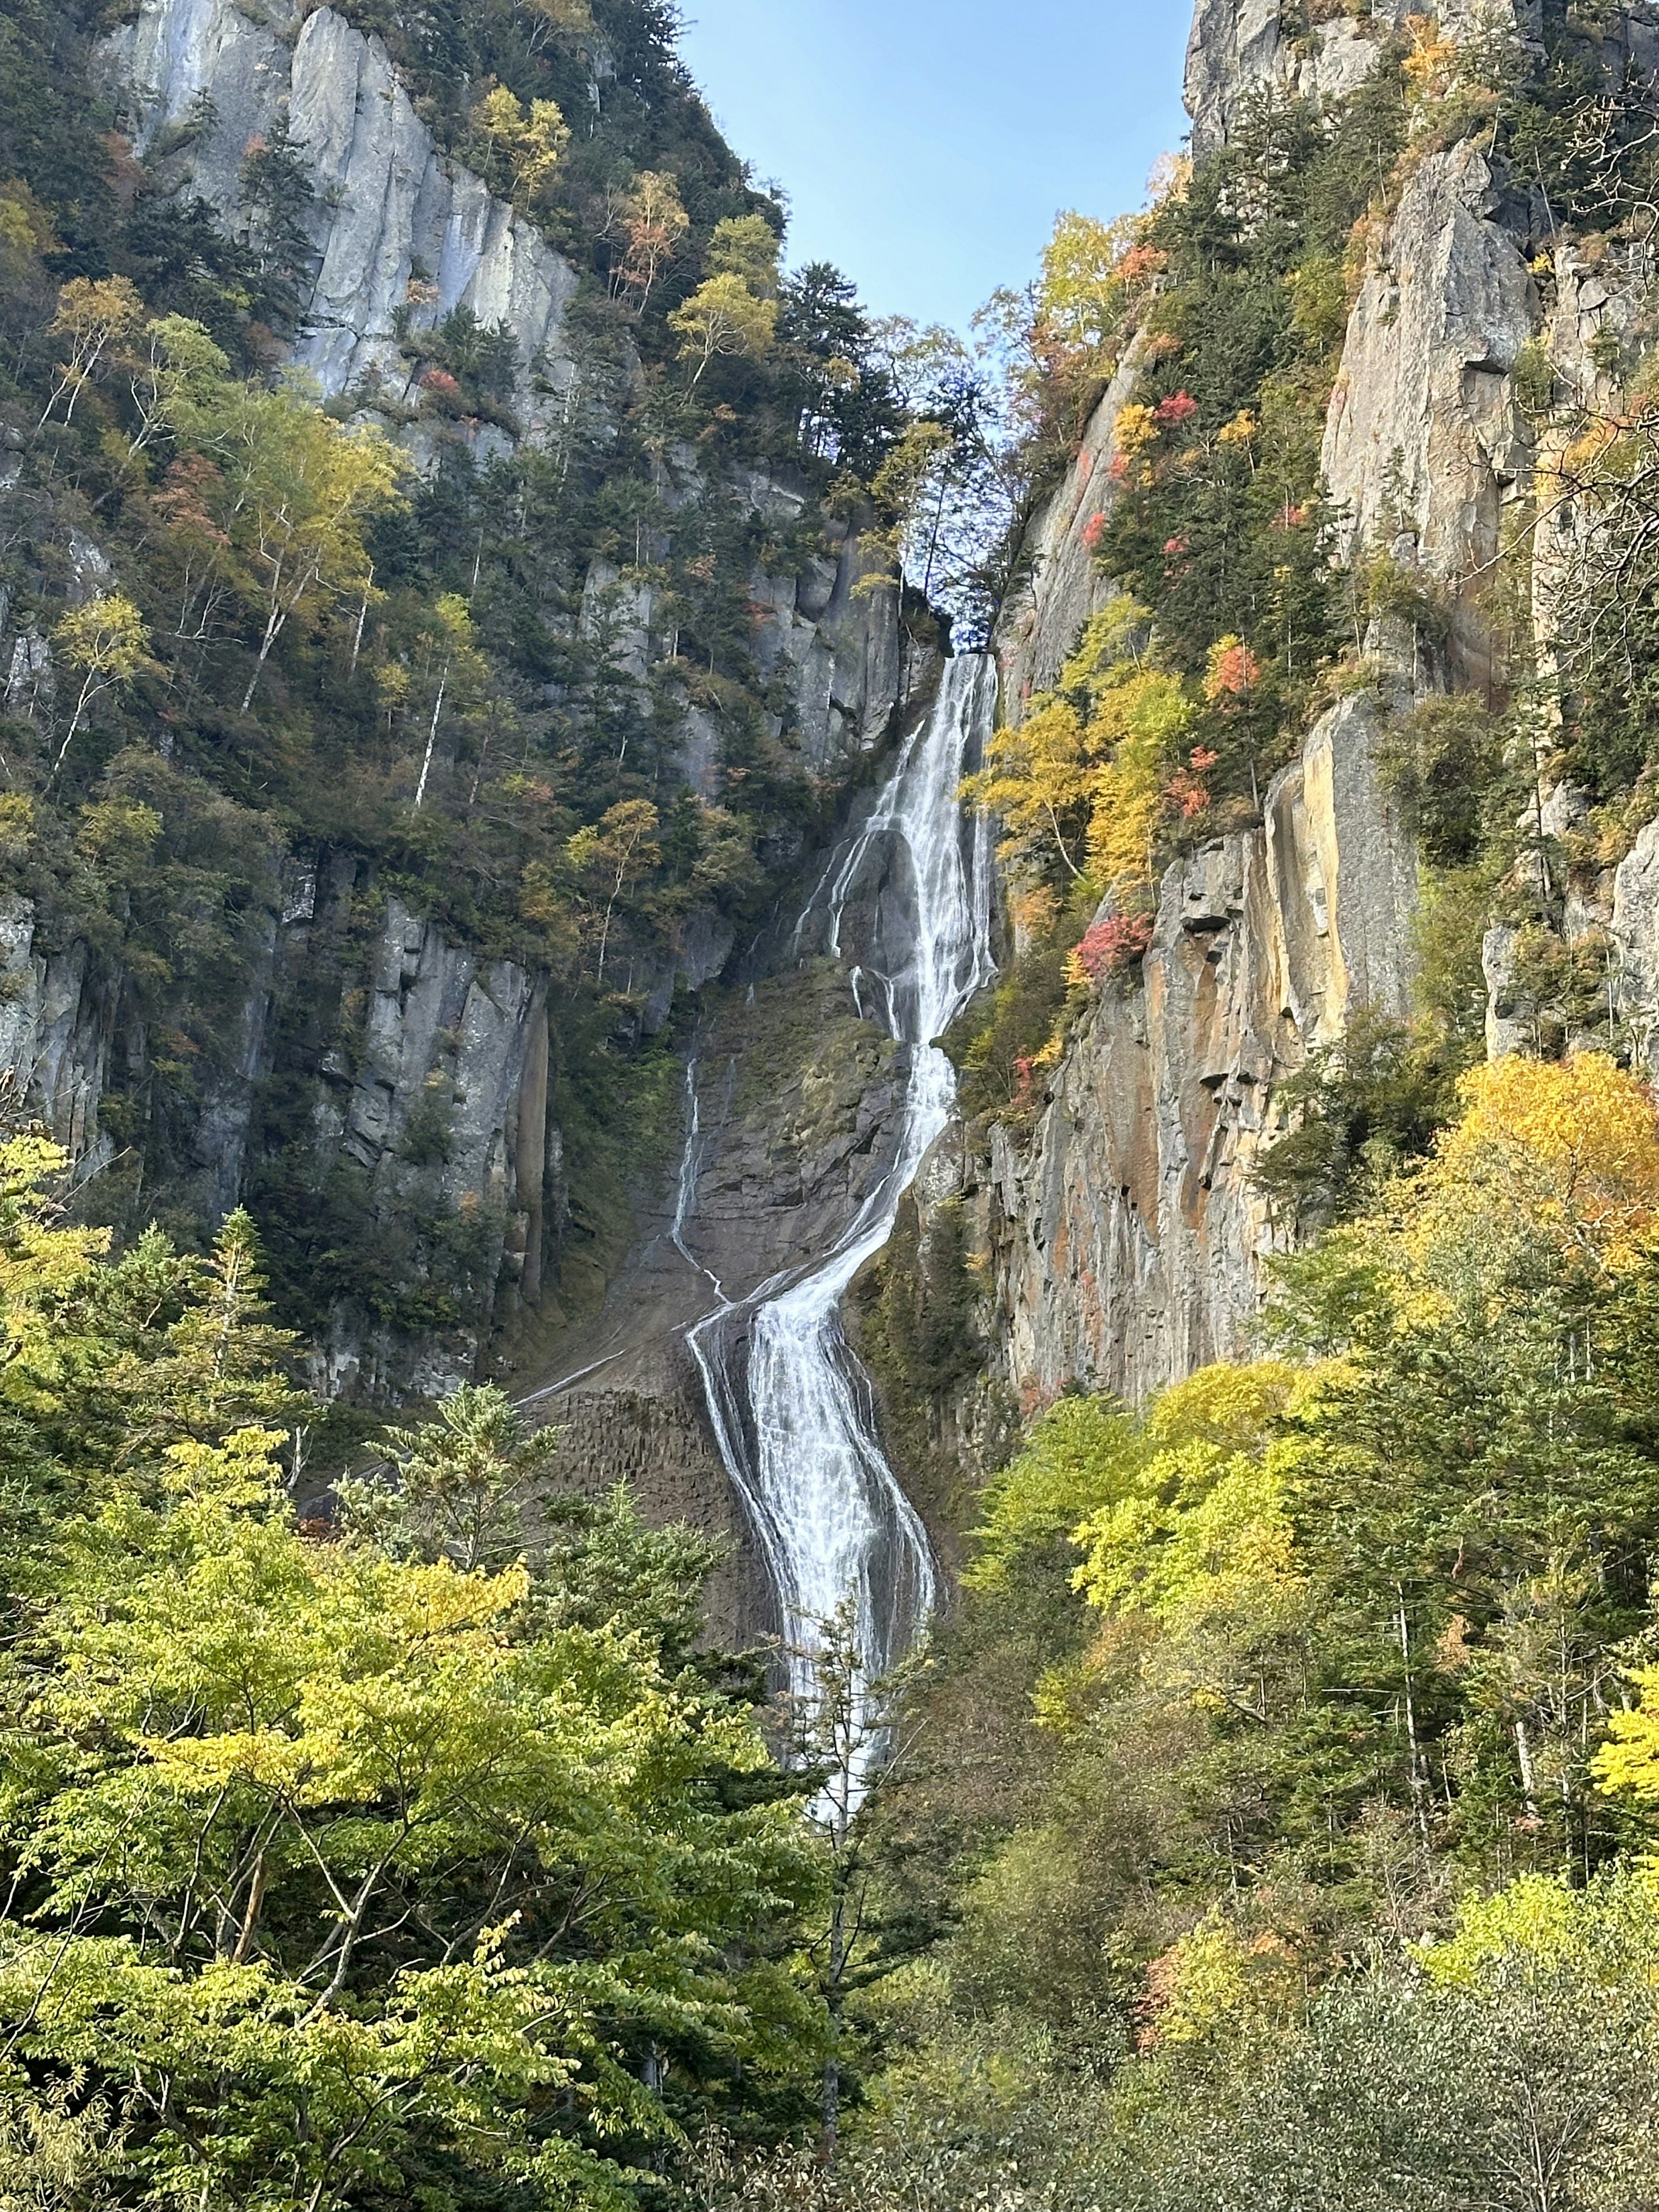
{"type": "Point", "coordinates": [795, 1420]}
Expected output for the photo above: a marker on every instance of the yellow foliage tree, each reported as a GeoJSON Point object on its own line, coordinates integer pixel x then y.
{"type": "Point", "coordinates": [1076, 1458]}
{"type": "Point", "coordinates": [1627, 1763]}
{"type": "Point", "coordinates": [450, 650]}
{"type": "Point", "coordinates": [1202, 1517]}
{"type": "Point", "coordinates": [287, 496]}
{"type": "Point", "coordinates": [1607, 1932]}
{"type": "Point", "coordinates": [517, 150]}
{"type": "Point", "coordinates": [1081, 291]}
{"type": "Point", "coordinates": [1212, 1981]}
{"type": "Point", "coordinates": [1570, 1146]}
{"type": "Point", "coordinates": [572, 20]}
{"type": "Point", "coordinates": [95, 315]}
{"type": "Point", "coordinates": [1036, 781]}
{"type": "Point", "coordinates": [107, 641]}
{"type": "Point", "coordinates": [1091, 792]}
{"type": "Point", "coordinates": [723, 318]}
{"type": "Point", "coordinates": [617, 850]}
{"type": "Point", "coordinates": [1139, 720]}
{"type": "Point", "coordinates": [746, 246]}
{"type": "Point", "coordinates": [1134, 428]}
{"type": "Point", "coordinates": [913, 477]}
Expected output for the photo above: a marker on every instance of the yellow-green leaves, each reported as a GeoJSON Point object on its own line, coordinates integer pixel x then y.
{"type": "Point", "coordinates": [1629, 1760]}
{"type": "Point", "coordinates": [1083, 778]}
{"type": "Point", "coordinates": [1076, 1457]}
{"type": "Point", "coordinates": [95, 317]}
{"type": "Point", "coordinates": [517, 150]}
{"type": "Point", "coordinates": [734, 311]}
{"type": "Point", "coordinates": [1081, 291]}
{"type": "Point", "coordinates": [724, 320]}
{"type": "Point", "coordinates": [106, 642]}
{"type": "Point", "coordinates": [619, 849]}
{"type": "Point", "coordinates": [746, 246]}
{"type": "Point", "coordinates": [1200, 1520]}
{"type": "Point", "coordinates": [355, 1827]}
{"type": "Point", "coordinates": [1540, 1925]}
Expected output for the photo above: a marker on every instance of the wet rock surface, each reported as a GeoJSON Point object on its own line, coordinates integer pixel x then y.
{"type": "Point", "coordinates": [795, 1095]}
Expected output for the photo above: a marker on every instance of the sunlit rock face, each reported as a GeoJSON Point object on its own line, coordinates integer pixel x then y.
{"type": "Point", "coordinates": [1122, 1229]}
{"type": "Point", "coordinates": [391, 211]}
{"type": "Point", "coordinates": [1125, 1236]}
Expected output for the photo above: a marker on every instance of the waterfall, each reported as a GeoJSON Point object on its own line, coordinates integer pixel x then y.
{"type": "Point", "coordinates": [795, 1420]}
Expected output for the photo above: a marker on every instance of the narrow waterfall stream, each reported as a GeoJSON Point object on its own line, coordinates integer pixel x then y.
{"type": "Point", "coordinates": [792, 1411]}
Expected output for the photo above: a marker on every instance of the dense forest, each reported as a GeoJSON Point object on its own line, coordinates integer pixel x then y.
{"type": "Point", "coordinates": [1272, 1817]}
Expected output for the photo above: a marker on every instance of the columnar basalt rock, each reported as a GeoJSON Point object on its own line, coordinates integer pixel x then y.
{"type": "Point", "coordinates": [1064, 585]}
{"type": "Point", "coordinates": [1125, 1239]}
{"type": "Point", "coordinates": [1426, 451]}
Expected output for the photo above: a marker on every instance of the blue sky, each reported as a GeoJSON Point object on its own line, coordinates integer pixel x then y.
{"type": "Point", "coordinates": [927, 145]}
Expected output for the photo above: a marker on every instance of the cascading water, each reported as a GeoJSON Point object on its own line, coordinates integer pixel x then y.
{"type": "Point", "coordinates": [795, 1421]}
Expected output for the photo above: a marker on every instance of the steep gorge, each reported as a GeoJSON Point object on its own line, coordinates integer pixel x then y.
{"type": "Point", "coordinates": [1115, 1229]}
{"type": "Point", "coordinates": [366, 1054]}
{"type": "Point", "coordinates": [764, 1123]}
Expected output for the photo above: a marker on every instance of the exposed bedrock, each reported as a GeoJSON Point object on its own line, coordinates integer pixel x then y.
{"type": "Point", "coordinates": [423, 1062]}
{"type": "Point", "coordinates": [1123, 1234]}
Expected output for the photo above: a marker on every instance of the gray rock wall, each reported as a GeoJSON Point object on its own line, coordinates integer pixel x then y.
{"type": "Point", "coordinates": [57, 1030]}
{"type": "Point", "coordinates": [1424, 449]}
{"type": "Point", "coordinates": [1064, 587]}
{"type": "Point", "coordinates": [1124, 1234]}
{"type": "Point", "coordinates": [387, 199]}
{"type": "Point", "coordinates": [433, 1084]}
{"type": "Point", "coordinates": [1240, 50]}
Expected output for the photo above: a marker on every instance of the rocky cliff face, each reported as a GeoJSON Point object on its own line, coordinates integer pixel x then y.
{"type": "Point", "coordinates": [1122, 1233]}
{"type": "Point", "coordinates": [388, 207]}
{"type": "Point", "coordinates": [789, 1123]}
{"type": "Point", "coordinates": [419, 1062]}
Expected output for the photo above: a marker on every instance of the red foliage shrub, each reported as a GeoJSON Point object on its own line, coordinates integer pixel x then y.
{"type": "Point", "coordinates": [1112, 946]}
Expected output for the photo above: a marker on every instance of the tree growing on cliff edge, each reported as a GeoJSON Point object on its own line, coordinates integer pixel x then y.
{"type": "Point", "coordinates": [516, 149]}
{"type": "Point", "coordinates": [653, 224]}
{"type": "Point", "coordinates": [724, 320]}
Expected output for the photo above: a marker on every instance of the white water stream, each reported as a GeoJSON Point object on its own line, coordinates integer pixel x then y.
{"type": "Point", "coordinates": [795, 1420]}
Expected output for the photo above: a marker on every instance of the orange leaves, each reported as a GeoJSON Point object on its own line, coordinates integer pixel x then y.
{"type": "Point", "coordinates": [1233, 672]}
